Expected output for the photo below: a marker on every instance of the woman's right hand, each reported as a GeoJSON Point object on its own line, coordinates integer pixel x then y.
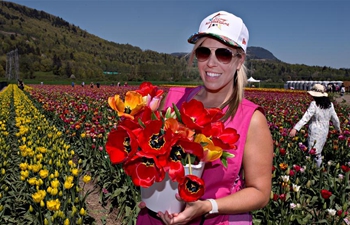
{"type": "Point", "coordinates": [191, 211]}
{"type": "Point", "coordinates": [292, 132]}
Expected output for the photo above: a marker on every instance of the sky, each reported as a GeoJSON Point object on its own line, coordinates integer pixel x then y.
{"type": "Point", "coordinates": [310, 32]}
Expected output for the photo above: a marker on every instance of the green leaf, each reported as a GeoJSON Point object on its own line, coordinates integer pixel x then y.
{"type": "Point", "coordinates": [177, 113]}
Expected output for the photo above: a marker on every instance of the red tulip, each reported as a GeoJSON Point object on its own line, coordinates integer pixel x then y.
{"type": "Point", "coordinates": [326, 194]}
{"type": "Point", "coordinates": [283, 152]}
{"type": "Point", "coordinates": [191, 188]}
{"type": "Point", "coordinates": [345, 168]}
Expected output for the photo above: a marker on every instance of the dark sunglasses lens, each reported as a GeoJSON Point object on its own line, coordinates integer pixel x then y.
{"type": "Point", "coordinates": [224, 55]}
{"type": "Point", "coordinates": [202, 53]}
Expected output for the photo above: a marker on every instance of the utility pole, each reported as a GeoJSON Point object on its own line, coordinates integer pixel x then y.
{"type": "Point", "coordinates": [12, 65]}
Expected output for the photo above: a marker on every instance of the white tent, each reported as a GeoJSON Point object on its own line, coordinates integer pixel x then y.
{"type": "Point", "coordinates": [252, 80]}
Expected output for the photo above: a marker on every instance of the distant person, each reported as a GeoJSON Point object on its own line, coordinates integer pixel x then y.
{"type": "Point", "coordinates": [118, 84]}
{"type": "Point", "coordinates": [98, 85]}
{"type": "Point", "coordinates": [319, 113]}
{"type": "Point", "coordinates": [125, 84]}
{"type": "Point", "coordinates": [91, 84]}
{"type": "Point", "coordinates": [83, 84]}
{"type": "Point", "coordinates": [20, 84]}
{"type": "Point", "coordinates": [329, 88]}
{"type": "Point", "coordinates": [41, 83]}
{"type": "Point", "coordinates": [342, 90]}
{"type": "Point", "coordinates": [72, 84]}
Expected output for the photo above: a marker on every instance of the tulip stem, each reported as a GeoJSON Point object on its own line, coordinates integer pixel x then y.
{"type": "Point", "coordinates": [189, 163]}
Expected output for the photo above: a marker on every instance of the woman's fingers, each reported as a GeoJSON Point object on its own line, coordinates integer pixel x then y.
{"type": "Point", "coordinates": [177, 196]}
{"type": "Point", "coordinates": [142, 205]}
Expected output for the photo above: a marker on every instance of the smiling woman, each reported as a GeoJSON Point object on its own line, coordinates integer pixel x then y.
{"type": "Point", "coordinates": [220, 48]}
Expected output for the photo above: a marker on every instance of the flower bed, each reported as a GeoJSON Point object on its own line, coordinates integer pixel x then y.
{"type": "Point", "coordinates": [301, 192]}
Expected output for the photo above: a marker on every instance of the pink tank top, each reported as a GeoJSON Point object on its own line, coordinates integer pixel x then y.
{"type": "Point", "coordinates": [219, 181]}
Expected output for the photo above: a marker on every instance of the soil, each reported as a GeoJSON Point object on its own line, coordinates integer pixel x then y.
{"type": "Point", "coordinates": [100, 215]}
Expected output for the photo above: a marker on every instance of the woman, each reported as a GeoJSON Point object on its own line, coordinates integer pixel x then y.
{"type": "Point", "coordinates": [245, 185]}
{"type": "Point", "coordinates": [319, 113]}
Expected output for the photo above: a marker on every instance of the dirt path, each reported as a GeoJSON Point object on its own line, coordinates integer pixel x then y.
{"type": "Point", "coordinates": [343, 99]}
{"type": "Point", "coordinates": [100, 214]}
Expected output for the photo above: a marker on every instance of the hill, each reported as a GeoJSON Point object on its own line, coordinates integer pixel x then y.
{"type": "Point", "coordinates": [49, 47]}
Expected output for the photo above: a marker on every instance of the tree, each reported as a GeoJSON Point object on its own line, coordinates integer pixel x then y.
{"type": "Point", "coordinates": [57, 64]}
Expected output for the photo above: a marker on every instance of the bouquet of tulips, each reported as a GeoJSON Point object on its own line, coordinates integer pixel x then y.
{"type": "Point", "coordinates": [151, 142]}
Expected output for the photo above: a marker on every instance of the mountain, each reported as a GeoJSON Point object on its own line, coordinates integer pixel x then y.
{"type": "Point", "coordinates": [260, 53]}
{"type": "Point", "coordinates": [47, 45]}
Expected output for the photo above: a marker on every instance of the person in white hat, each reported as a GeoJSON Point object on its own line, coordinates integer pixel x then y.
{"type": "Point", "coordinates": [231, 193]}
{"type": "Point", "coordinates": [318, 115]}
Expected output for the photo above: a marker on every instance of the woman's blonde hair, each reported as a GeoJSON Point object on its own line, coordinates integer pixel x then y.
{"type": "Point", "coordinates": [238, 84]}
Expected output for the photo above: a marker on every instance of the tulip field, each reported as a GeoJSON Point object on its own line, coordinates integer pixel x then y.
{"type": "Point", "coordinates": [52, 144]}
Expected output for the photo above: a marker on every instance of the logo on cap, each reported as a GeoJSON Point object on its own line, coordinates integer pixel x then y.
{"type": "Point", "coordinates": [217, 21]}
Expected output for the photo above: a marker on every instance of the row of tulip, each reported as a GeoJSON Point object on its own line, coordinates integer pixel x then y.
{"type": "Point", "coordinates": [301, 194]}
{"type": "Point", "coordinates": [40, 172]}
{"type": "Point", "coordinates": [87, 119]}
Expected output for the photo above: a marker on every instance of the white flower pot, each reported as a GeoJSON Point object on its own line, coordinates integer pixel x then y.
{"type": "Point", "coordinates": [160, 197]}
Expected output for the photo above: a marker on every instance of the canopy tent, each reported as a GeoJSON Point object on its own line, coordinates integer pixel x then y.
{"type": "Point", "coordinates": [252, 80]}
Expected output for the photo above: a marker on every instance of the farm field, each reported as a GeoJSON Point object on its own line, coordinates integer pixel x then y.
{"type": "Point", "coordinates": [55, 169]}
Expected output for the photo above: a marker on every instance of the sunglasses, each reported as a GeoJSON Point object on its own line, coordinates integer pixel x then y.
{"type": "Point", "coordinates": [223, 55]}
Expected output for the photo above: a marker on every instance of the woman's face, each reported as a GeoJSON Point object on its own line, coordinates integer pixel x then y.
{"type": "Point", "coordinates": [218, 76]}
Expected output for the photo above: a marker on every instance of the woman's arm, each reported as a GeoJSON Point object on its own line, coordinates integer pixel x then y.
{"type": "Point", "coordinates": [257, 165]}
{"type": "Point", "coordinates": [335, 119]}
{"type": "Point", "coordinates": [307, 116]}
{"type": "Point", "coordinates": [304, 120]}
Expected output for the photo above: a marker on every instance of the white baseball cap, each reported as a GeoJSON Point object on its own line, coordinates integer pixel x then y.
{"type": "Point", "coordinates": [224, 26]}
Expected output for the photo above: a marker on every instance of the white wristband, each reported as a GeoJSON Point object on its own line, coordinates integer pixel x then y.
{"type": "Point", "coordinates": [214, 206]}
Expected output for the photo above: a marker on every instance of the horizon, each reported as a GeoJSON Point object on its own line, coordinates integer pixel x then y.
{"type": "Point", "coordinates": [309, 32]}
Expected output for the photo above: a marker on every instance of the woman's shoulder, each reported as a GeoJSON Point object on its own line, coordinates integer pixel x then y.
{"type": "Point", "coordinates": [313, 103]}
{"type": "Point", "coordinates": [249, 105]}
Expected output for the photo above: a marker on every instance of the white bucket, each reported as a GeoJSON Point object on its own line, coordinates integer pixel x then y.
{"type": "Point", "coordinates": [160, 197]}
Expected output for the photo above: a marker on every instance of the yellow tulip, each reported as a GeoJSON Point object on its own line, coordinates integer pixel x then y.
{"type": "Point", "coordinates": [32, 181]}
{"type": "Point", "coordinates": [43, 173]}
{"type": "Point", "coordinates": [68, 185]}
{"type": "Point", "coordinates": [66, 222]}
{"type": "Point", "coordinates": [211, 152]}
{"type": "Point", "coordinates": [75, 172]}
{"type": "Point", "coordinates": [82, 212]}
{"type": "Point", "coordinates": [87, 179]}
{"type": "Point", "coordinates": [53, 205]}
